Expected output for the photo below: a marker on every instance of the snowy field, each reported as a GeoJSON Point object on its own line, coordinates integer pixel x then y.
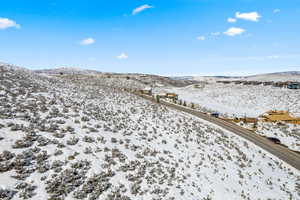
{"type": "Point", "coordinates": [280, 76]}
{"type": "Point", "coordinates": [251, 101]}
{"type": "Point", "coordinates": [241, 100]}
{"type": "Point", "coordinates": [288, 134]}
{"type": "Point", "coordinates": [86, 139]}
{"type": "Point", "coordinates": [277, 77]}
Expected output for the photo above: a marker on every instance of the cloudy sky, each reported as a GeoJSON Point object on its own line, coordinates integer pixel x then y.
{"type": "Point", "coordinates": [169, 37]}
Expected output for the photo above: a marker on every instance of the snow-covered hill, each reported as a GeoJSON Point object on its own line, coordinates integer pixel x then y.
{"type": "Point", "coordinates": [67, 70]}
{"type": "Point", "coordinates": [241, 100]}
{"type": "Point", "coordinates": [275, 77]}
{"type": "Point", "coordinates": [144, 80]}
{"type": "Point", "coordinates": [69, 138]}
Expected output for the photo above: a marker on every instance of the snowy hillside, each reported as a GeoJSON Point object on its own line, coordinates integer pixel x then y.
{"type": "Point", "coordinates": [213, 79]}
{"type": "Point", "coordinates": [143, 80]}
{"type": "Point", "coordinates": [69, 138]}
{"type": "Point", "coordinates": [241, 100]}
{"type": "Point", "coordinates": [275, 77]}
{"type": "Point", "coordinates": [67, 70]}
{"type": "Point", "coordinates": [288, 134]}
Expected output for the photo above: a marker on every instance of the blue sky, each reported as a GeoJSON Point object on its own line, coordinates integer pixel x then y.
{"type": "Point", "coordinates": [169, 37]}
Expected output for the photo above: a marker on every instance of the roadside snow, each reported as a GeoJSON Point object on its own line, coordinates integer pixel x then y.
{"type": "Point", "coordinates": [288, 134]}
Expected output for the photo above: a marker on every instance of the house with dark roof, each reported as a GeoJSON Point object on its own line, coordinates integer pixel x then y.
{"type": "Point", "coordinates": [294, 85]}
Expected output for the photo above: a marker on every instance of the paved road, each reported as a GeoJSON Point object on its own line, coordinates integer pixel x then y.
{"type": "Point", "coordinates": [282, 152]}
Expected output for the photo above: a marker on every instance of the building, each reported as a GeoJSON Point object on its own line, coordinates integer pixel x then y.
{"type": "Point", "coordinates": [281, 84]}
{"type": "Point", "coordinates": [280, 116]}
{"type": "Point", "coordinates": [249, 120]}
{"type": "Point", "coordinates": [147, 91]}
{"type": "Point", "coordinates": [267, 83]}
{"type": "Point", "coordinates": [237, 82]}
{"type": "Point", "coordinates": [161, 95]}
{"type": "Point", "coordinates": [295, 85]}
{"type": "Point", "coordinates": [172, 96]}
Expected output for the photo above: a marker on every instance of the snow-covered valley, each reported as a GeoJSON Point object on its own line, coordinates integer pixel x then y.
{"type": "Point", "coordinates": [84, 138]}
{"type": "Point", "coordinates": [240, 100]}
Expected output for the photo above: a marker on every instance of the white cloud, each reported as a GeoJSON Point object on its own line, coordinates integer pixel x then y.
{"type": "Point", "coordinates": [252, 16]}
{"type": "Point", "coordinates": [276, 10]}
{"type": "Point", "coordinates": [215, 33]}
{"type": "Point", "coordinates": [141, 8]}
{"type": "Point", "coordinates": [233, 31]}
{"type": "Point", "coordinates": [8, 23]}
{"type": "Point", "coordinates": [231, 20]}
{"type": "Point", "coordinates": [122, 56]}
{"type": "Point", "coordinates": [87, 41]}
{"type": "Point", "coordinates": [200, 38]}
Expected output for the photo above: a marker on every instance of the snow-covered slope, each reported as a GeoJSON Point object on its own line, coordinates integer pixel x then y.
{"type": "Point", "coordinates": [241, 100]}
{"type": "Point", "coordinates": [145, 80]}
{"type": "Point", "coordinates": [213, 79]}
{"type": "Point", "coordinates": [67, 70]}
{"type": "Point", "coordinates": [288, 134]}
{"type": "Point", "coordinates": [72, 139]}
{"type": "Point", "coordinates": [275, 77]}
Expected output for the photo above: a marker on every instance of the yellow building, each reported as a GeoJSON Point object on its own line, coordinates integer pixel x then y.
{"type": "Point", "coordinates": [172, 96]}
{"type": "Point", "coordinates": [277, 116]}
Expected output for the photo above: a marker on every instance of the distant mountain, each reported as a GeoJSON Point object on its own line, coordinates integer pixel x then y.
{"type": "Point", "coordinates": [181, 77]}
{"type": "Point", "coordinates": [276, 77]}
{"type": "Point", "coordinates": [287, 73]}
{"type": "Point", "coordinates": [146, 79]}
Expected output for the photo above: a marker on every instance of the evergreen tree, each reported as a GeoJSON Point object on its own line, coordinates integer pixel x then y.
{"type": "Point", "coordinates": [157, 98]}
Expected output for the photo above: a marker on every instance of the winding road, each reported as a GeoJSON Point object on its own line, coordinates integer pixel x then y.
{"type": "Point", "coordinates": [280, 151]}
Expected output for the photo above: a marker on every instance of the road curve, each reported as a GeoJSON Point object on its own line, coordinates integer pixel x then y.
{"type": "Point", "coordinates": [282, 152]}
